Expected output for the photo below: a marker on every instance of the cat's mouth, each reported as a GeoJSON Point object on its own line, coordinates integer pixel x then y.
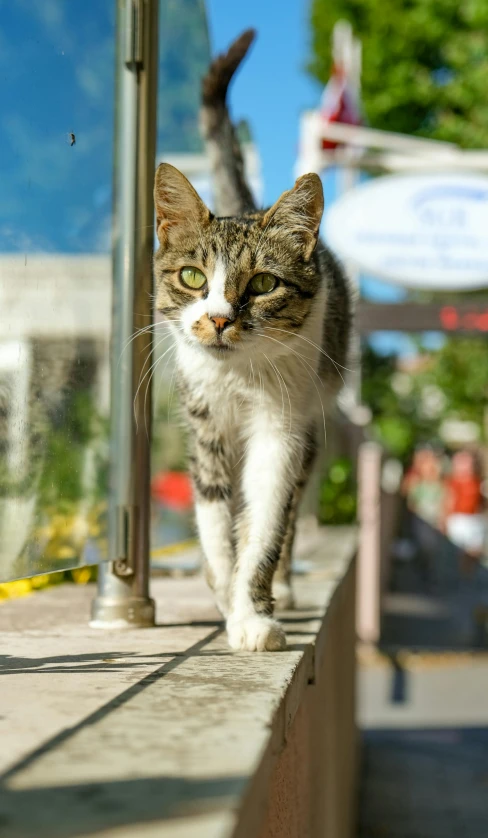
{"type": "Point", "coordinates": [220, 348]}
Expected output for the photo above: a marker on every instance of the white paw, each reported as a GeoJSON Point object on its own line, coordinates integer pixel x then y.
{"type": "Point", "coordinates": [283, 596]}
{"type": "Point", "coordinates": [255, 634]}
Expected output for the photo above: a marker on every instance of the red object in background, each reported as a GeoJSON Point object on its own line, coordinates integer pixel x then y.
{"type": "Point", "coordinates": [466, 497]}
{"type": "Point", "coordinates": [341, 98]}
{"type": "Point", "coordinates": [451, 319]}
{"type": "Point", "coordinates": [339, 103]}
{"type": "Point", "coordinates": [173, 489]}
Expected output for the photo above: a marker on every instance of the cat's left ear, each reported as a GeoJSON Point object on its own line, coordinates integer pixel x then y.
{"type": "Point", "coordinates": [178, 206]}
{"type": "Point", "coordinates": [299, 212]}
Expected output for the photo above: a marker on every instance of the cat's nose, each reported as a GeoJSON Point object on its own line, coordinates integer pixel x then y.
{"type": "Point", "coordinates": [220, 323]}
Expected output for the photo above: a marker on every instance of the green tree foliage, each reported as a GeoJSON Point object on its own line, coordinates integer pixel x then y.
{"type": "Point", "coordinates": [407, 408]}
{"type": "Point", "coordinates": [460, 371]}
{"type": "Point", "coordinates": [396, 423]}
{"type": "Point", "coordinates": [425, 63]}
{"type": "Point", "coordinates": [337, 496]}
{"type": "Point", "coordinates": [61, 484]}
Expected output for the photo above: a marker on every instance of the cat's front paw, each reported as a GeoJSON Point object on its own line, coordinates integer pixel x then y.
{"type": "Point", "coordinates": [283, 596]}
{"type": "Point", "coordinates": [255, 634]}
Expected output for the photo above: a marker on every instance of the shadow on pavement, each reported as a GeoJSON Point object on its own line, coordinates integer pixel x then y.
{"type": "Point", "coordinates": [424, 784]}
{"type": "Point", "coordinates": [438, 600]}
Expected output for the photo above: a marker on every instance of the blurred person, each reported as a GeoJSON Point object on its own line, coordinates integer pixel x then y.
{"type": "Point", "coordinates": [464, 508]}
{"type": "Point", "coordinates": [424, 490]}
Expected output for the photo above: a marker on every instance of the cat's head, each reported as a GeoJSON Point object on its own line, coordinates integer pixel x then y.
{"type": "Point", "coordinates": [226, 282]}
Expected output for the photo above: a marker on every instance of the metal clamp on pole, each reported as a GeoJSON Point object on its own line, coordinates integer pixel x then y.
{"type": "Point", "coordinates": [123, 587]}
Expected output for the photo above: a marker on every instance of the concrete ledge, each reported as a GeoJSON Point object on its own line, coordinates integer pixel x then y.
{"type": "Point", "coordinates": [164, 732]}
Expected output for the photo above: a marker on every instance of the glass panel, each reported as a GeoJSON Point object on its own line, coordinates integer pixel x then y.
{"type": "Point", "coordinates": [56, 139]}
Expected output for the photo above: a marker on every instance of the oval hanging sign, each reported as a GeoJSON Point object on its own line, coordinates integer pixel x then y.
{"type": "Point", "coordinates": [422, 231]}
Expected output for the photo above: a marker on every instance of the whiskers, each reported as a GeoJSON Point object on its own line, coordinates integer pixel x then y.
{"type": "Point", "coordinates": [142, 378]}
{"type": "Point", "coordinates": [336, 364]}
{"type": "Point", "coordinates": [263, 375]}
{"type": "Point", "coordinates": [308, 367]}
{"type": "Point", "coordinates": [255, 394]}
{"type": "Point", "coordinates": [147, 373]}
{"type": "Point", "coordinates": [282, 383]}
{"type": "Point", "coordinates": [138, 332]}
{"type": "Point", "coordinates": [151, 327]}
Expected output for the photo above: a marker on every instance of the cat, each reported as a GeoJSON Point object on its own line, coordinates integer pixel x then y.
{"type": "Point", "coordinates": [261, 315]}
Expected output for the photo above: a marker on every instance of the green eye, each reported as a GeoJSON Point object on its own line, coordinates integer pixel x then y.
{"type": "Point", "coordinates": [192, 278]}
{"type": "Point", "coordinates": [263, 283]}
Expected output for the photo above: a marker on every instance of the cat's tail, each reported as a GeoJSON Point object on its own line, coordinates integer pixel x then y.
{"type": "Point", "coordinates": [231, 190]}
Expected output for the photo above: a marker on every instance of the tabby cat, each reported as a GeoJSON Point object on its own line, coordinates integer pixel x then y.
{"type": "Point", "coordinates": [260, 312]}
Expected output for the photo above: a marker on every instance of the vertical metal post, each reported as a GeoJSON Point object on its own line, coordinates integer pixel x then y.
{"type": "Point", "coordinates": [123, 588]}
{"type": "Point", "coordinates": [368, 603]}
{"type": "Point", "coordinates": [348, 179]}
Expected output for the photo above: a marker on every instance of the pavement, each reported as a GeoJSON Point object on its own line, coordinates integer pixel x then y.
{"type": "Point", "coordinates": [423, 710]}
{"type": "Point", "coordinates": [425, 783]}
{"type": "Point", "coordinates": [156, 732]}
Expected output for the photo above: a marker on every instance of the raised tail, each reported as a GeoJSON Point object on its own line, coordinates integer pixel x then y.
{"type": "Point", "coordinates": [231, 191]}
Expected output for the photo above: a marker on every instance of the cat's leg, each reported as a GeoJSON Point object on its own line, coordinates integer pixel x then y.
{"type": "Point", "coordinates": [270, 474]}
{"type": "Point", "coordinates": [214, 529]}
{"type": "Point", "coordinates": [282, 588]}
{"type": "Point", "coordinates": [211, 475]}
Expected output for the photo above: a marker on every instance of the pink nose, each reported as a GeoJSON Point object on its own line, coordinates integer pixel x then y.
{"type": "Point", "coordinates": [220, 323]}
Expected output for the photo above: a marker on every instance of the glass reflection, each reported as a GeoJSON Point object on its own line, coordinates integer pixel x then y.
{"type": "Point", "coordinates": [56, 138]}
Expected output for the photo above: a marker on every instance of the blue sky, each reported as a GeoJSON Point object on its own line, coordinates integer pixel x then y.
{"type": "Point", "coordinates": [272, 87]}
{"type": "Point", "coordinates": [271, 90]}
{"type": "Point", "coordinates": [56, 76]}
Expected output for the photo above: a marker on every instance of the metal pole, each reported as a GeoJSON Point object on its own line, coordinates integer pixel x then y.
{"type": "Point", "coordinates": [123, 588]}
{"type": "Point", "coordinates": [368, 604]}
{"type": "Point", "coordinates": [350, 398]}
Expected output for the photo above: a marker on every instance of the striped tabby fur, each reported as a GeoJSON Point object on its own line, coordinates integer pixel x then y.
{"type": "Point", "coordinates": [255, 370]}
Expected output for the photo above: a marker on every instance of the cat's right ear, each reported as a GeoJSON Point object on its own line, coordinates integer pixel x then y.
{"type": "Point", "coordinates": [177, 203]}
{"type": "Point", "coordinates": [298, 213]}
